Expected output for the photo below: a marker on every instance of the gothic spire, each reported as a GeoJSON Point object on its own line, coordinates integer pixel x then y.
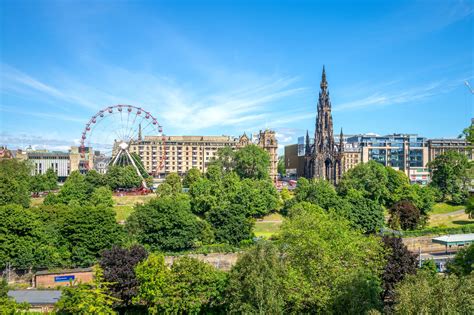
{"type": "Point", "coordinates": [308, 146]}
{"type": "Point", "coordinates": [324, 83]}
{"type": "Point", "coordinates": [341, 141]}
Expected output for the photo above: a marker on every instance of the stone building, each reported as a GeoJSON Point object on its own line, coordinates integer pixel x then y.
{"type": "Point", "coordinates": [324, 157]}
{"type": "Point", "coordinates": [179, 154]}
{"type": "Point", "coordinates": [439, 146]}
{"type": "Point", "coordinates": [267, 141]}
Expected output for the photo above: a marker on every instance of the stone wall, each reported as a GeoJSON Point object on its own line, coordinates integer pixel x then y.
{"type": "Point", "coordinates": [424, 242]}
{"type": "Point", "coordinates": [218, 260]}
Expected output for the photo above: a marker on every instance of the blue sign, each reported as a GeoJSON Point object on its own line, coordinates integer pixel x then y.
{"type": "Point", "coordinates": [63, 278]}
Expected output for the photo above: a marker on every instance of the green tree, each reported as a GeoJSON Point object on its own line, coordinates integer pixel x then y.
{"type": "Point", "coordinates": [14, 182]}
{"type": "Point", "coordinates": [89, 230]}
{"type": "Point", "coordinates": [165, 223]}
{"type": "Point", "coordinates": [230, 224]}
{"type": "Point", "coordinates": [430, 266]}
{"type": "Point", "coordinates": [469, 133]}
{"type": "Point", "coordinates": [450, 175]}
{"type": "Point", "coordinates": [324, 256]}
{"type": "Point", "coordinates": [95, 179]}
{"type": "Point", "coordinates": [463, 262]}
{"type": "Point", "coordinates": [190, 286]}
{"type": "Point", "coordinates": [8, 306]}
{"type": "Point", "coordinates": [470, 207]}
{"type": "Point", "coordinates": [257, 197]}
{"type": "Point", "coordinates": [75, 189]}
{"type": "Point", "coordinates": [122, 177]}
{"type": "Point", "coordinates": [192, 176]}
{"type": "Point", "coordinates": [317, 191]}
{"type": "Point", "coordinates": [252, 162]}
{"type": "Point", "coordinates": [23, 240]}
{"type": "Point", "coordinates": [225, 159]}
{"type": "Point", "coordinates": [38, 183]}
{"type": "Point", "coordinates": [171, 186]}
{"type": "Point", "coordinates": [257, 282]}
{"type": "Point", "coordinates": [51, 179]}
{"type": "Point", "coordinates": [102, 196]}
{"type": "Point", "coordinates": [365, 214]}
{"type": "Point", "coordinates": [371, 179]}
{"type": "Point", "coordinates": [425, 293]}
{"type": "Point", "coordinates": [205, 195]}
{"type": "Point", "coordinates": [281, 165]}
{"type": "Point", "coordinates": [87, 298]}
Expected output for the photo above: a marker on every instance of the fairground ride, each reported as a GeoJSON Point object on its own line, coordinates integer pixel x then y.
{"type": "Point", "coordinates": [113, 130]}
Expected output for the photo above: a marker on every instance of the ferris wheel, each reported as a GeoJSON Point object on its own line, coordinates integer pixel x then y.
{"type": "Point", "coordinates": [113, 130]}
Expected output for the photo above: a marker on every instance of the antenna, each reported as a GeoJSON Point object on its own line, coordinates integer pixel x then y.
{"type": "Point", "coordinates": [469, 87]}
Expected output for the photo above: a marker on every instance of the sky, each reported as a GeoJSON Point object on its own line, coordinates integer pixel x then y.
{"type": "Point", "coordinates": [228, 67]}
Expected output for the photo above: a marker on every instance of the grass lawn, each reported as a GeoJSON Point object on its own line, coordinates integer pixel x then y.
{"type": "Point", "coordinates": [36, 201]}
{"type": "Point", "coordinates": [442, 207]}
{"type": "Point", "coordinates": [454, 220]}
{"type": "Point", "coordinates": [268, 225]}
{"type": "Point", "coordinates": [124, 205]}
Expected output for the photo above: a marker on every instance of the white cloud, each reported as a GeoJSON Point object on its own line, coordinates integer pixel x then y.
{"type": "Point", "coordinates": [398, 97]}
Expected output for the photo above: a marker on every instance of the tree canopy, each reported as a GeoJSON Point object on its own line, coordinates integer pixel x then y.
{"type": "Point", "coordinates": [165, 223]}
{"type": "Point", "coordinates": [257, 282]}
{"type": "Point", "coordinates": [189, 286]}
{"type": "Point", "coordinates": [450, 175]}
{"type": "Point", "coordinates": [425, 293]}
{"type": "Point", "coordinates": [14, 182]}
{"type": "Point", "coordinates": [320, 247]}
{"type": "Point", "coordinates": [252, 161]}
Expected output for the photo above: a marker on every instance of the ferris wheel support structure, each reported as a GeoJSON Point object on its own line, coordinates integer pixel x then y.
{"type": "Point", "coordinates": [122, 125]}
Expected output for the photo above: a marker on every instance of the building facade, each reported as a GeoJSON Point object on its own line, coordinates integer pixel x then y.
{"type": "Point", "coordinates": [178, 154]}
{"type": "Point", "coordinates": [439, 146]}
{"type": "Point", "coordinates": [324, 158]}
{"type": "Point", "coordinates": [405, 152]}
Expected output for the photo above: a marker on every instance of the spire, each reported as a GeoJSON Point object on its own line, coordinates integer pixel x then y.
{"type": "Point", "coordinates": [341, 141]}
{"type": "Point", "coordinates": [139, 131]}
{"type": "Point", "coordinates": [324, 83]}
{"type": "Point", "coordinates": [308, 147]}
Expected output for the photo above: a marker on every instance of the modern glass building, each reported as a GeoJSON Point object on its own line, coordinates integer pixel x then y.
{"type": "Point", "coordinates": [404, 152]}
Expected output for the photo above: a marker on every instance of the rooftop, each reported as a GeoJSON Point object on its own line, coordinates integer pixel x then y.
{"type": "Point", "coordinates": [454, 239]}
{"type": "Point", "coordinates": [35, 297]}
{"type": "Point", "coordinates": [56, 272]}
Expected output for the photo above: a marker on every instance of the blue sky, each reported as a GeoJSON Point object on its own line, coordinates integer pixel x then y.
{"type": "Point", "coordinates": [225, 67]}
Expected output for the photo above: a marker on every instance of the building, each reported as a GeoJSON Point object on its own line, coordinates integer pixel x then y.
{"type": "Point", "coordinates": [101, 162]}
{"type": "Point", "coordinates": [439, 146]}
{"type": "Point", "coordinates": [179, 154]}
{"type": "Point", "coordinates": [82, 162]}
{"type": "Point", "coordinates": [41, 161]}
{"type": "Point", "coordinates": [404, 152]}
{"type": "Point", "coordinates": [351, 156]}
{"type": "Point", "coordinates": [40, 301]}
{"type": "Point", "coordinates": [53, 279]}
{"type": "Point", "coordinates": [267, 141]}
{"type": "Point", "coordinates": [324, 158]}
{"type": "Point", "coordinates": [5, 153]}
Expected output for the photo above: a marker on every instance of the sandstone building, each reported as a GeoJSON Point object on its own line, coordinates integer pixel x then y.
{"type": "Point", "coordinates": [179, 154]}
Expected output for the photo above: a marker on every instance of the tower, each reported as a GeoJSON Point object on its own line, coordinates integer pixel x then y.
{"type": "Point", "coordinates": [325, 158]}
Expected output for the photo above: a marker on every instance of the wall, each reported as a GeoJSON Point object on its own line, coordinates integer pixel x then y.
{"type": "Point", "coordinates": [47, 281]}
{"type": "Point", "coordinates": [218, 260]}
